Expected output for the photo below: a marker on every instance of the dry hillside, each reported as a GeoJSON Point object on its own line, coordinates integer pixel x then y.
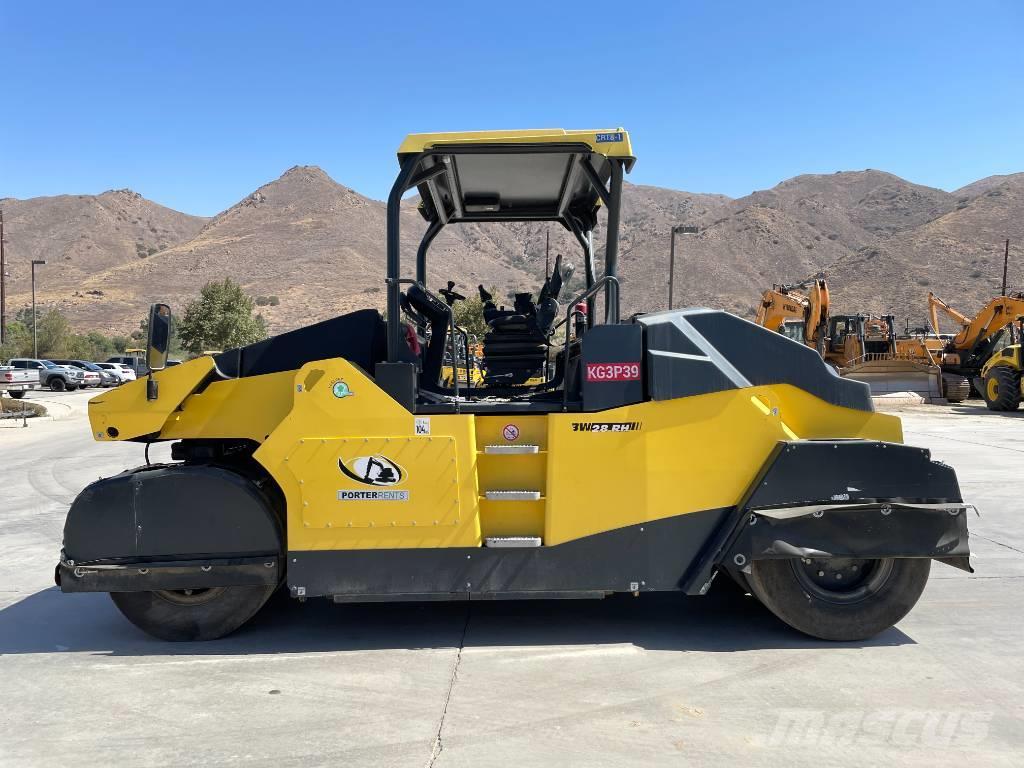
{"type": "Point", "coordinates": [80, 236]}
{"type": "Point", "coordinates": [319, 247]}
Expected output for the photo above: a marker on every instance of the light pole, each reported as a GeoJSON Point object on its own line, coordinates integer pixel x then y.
{"type": "Point", "coordinates": [3, 283]}
{"type": "Point", "coordinates": [682, 229]}
{"type": "Point", "coordinates": [35, 329]}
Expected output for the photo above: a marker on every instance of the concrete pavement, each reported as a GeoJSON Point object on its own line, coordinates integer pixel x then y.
{"type": "Point", "coordinates": [659, 680]}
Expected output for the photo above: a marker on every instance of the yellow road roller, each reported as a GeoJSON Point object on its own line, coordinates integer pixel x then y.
{"type": "Point", "coordinates": [602, 454]}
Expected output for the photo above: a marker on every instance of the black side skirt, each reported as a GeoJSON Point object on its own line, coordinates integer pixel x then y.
{"type": "Point", "coordinates": [639, 558]}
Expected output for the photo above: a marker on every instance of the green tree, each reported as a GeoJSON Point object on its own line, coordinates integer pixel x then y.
{"type": "Point", "coordinates": [90, 346]}
{"type": "Point", "coordinates": [221, 318]}
{"type": "Point", "coordinates": [24, 316]}
{"type": "Point", "coordinates": [469, 314]}
{"type": "Point", "coordinates": [54, 334]}
{"type": "Point", "coordinates": [17, 342]}
{"type": "Point", "coordinates": [139, 337]}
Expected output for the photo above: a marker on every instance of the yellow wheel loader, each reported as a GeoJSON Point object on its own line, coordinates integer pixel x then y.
{"type": "Point", "coordinates": [1001, 379]}
{"type": "Point", "coordinates": [654, 453]}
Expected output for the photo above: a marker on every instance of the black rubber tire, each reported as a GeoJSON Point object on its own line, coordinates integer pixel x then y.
{"type": "Point", "coordinates": [955, 388]}
{"type": "Point", "coordinates": [165, 618]}
{"type": "Point", "coordinates": [1001, 388]}
{"type": "Point", "coordinates": [58, 385]}
{"type": "Point", "coordinates": [776, 584]}
{"type": "Point", "coordinates": [17, 394]}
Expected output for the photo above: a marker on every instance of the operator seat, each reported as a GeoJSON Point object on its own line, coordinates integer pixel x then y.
{"type": "Point", "coordinates": [514, 346]}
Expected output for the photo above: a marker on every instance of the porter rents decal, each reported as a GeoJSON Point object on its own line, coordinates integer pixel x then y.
{"type": "Point", "coordinates": [613, 371]}
{"type": "Point", "coordinates": [373, 495]}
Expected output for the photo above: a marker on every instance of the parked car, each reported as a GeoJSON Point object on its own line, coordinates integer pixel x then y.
{"type": "Point", "coordinates": [100, 379]}
{"type": "Point", "coordinates": [17, 381]}
{"type": "Point", "coordinates": [122, 372]}
{"type": "Point", "coordinates": [57, 377]}
{"type": "Point", "coordinates": [135, 362]}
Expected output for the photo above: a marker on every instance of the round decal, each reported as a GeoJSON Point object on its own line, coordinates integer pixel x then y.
{"type": "Point", "coordinates": [510, 432]}
{"type": "Point", "coordinates": [372, 470]}
{"type": "Point", "coordinates": [340, 389]}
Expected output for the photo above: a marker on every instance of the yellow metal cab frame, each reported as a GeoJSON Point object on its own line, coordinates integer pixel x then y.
{"type": "Point", "coordinates": [488, 176]}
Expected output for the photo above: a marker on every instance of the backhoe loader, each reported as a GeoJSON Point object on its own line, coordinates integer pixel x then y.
{"type": "Point", "coordinates": [980, 337]}
{"type": "Point", "coordinates": [653, 454]}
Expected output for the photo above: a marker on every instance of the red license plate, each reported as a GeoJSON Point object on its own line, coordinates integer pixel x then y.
{"type": "Point", "coordinates": [613, 371]}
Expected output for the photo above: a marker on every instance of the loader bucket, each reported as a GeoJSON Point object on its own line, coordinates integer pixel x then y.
{"type": "Point", "coordinates": [890, 375]}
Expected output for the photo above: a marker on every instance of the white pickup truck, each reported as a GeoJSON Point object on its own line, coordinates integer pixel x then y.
{"type": "Point", "coordinates": [58, 378]}
{"type": "Point", "coordinates": [17, 381]}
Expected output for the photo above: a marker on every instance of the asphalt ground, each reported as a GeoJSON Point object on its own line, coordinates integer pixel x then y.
{"type": "Point", "coordinates": [655, 680]}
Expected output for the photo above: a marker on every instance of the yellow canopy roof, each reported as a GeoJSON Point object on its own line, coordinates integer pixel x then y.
{"type": "Point", "coordinates": [610, 142]}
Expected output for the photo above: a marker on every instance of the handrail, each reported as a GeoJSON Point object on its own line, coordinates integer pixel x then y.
{"type": "Point", "coordinates": [455, 362]}
{"type": "Point", "coordinates": [613, 288]}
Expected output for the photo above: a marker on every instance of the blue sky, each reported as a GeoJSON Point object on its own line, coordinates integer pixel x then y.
{"type": "Point", "coordinates": [195, 104]}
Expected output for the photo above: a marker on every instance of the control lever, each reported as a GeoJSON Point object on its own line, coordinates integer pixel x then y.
{"type": "Point", "coordinates": [450, 295]}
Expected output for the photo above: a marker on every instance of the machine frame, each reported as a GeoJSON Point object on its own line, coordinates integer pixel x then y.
{"type": "Point", "coordinates": [674, 446]}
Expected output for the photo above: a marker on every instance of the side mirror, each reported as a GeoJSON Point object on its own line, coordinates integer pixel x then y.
{"type": "Point", "coordinates": [158, 343]}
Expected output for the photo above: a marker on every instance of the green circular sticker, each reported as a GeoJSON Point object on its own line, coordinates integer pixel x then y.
{"type": "Point", "coordinates": [341, 389]}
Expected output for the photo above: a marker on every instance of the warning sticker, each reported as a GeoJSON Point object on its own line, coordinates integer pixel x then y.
{"type": "Point", "coordinates": [510, 432]}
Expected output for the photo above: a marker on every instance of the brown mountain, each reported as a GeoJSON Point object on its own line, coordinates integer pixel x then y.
{"type": "Point", "coordinates": [319, 247]}
{"type": "Point", "coordinates": [314, 244]}
{"type": "Point", "coordinates": [80, 236]}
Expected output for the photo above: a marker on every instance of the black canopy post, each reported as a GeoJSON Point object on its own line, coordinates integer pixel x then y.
{"type": "Point", "coordinates": [586, 241]}
{"type": "Point", "coordinates": [611, 256]}
{"type": "Point", "coordinates": [394, 256]}
{"type": "Point", "coordinates": [421, 253]}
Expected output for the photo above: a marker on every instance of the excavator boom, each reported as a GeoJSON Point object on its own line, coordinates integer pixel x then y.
{"type": "Point", "coordinates": [993, 318]}
{"type": "Point", "coordinates": [786, 303]}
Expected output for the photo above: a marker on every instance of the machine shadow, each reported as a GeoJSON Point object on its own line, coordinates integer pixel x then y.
{"type": "Point", "coordinates": [974, 411]}
{"type": "Point", "coordinates": [725, 620]}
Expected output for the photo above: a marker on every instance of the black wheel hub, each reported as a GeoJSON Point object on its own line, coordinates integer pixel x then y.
{"type": "Point", "coordinates": [842, 579]}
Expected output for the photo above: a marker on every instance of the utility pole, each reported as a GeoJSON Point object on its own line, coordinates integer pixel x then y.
{"type": "Point", "coordinates": [35, 325]}
{"type": "Point", "coordinates": [1006, 260]}
{"type": "Point", "coordinates": [3, 283]}
{"type": "Point", "coordinates": [681, 230]}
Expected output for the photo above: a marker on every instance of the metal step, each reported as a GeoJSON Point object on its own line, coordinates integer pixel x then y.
{"type": "Point", "coordinates": [512, 541]}
{"type": "Point", "coordinates": [507, 449]}
{"type": "Point", "coordinates": [512, 495]}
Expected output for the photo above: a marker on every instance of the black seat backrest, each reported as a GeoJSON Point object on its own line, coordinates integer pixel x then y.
{"type": "Point", "coordinates": [358, 337]}
{"type": "Point", "coordinates": [436, 314]}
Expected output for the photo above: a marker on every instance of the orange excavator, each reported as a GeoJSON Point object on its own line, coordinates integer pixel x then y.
{"type": "Point", "coordinates": [801, 316]}
{"type": "Point", "coordinates": [979, 337]}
